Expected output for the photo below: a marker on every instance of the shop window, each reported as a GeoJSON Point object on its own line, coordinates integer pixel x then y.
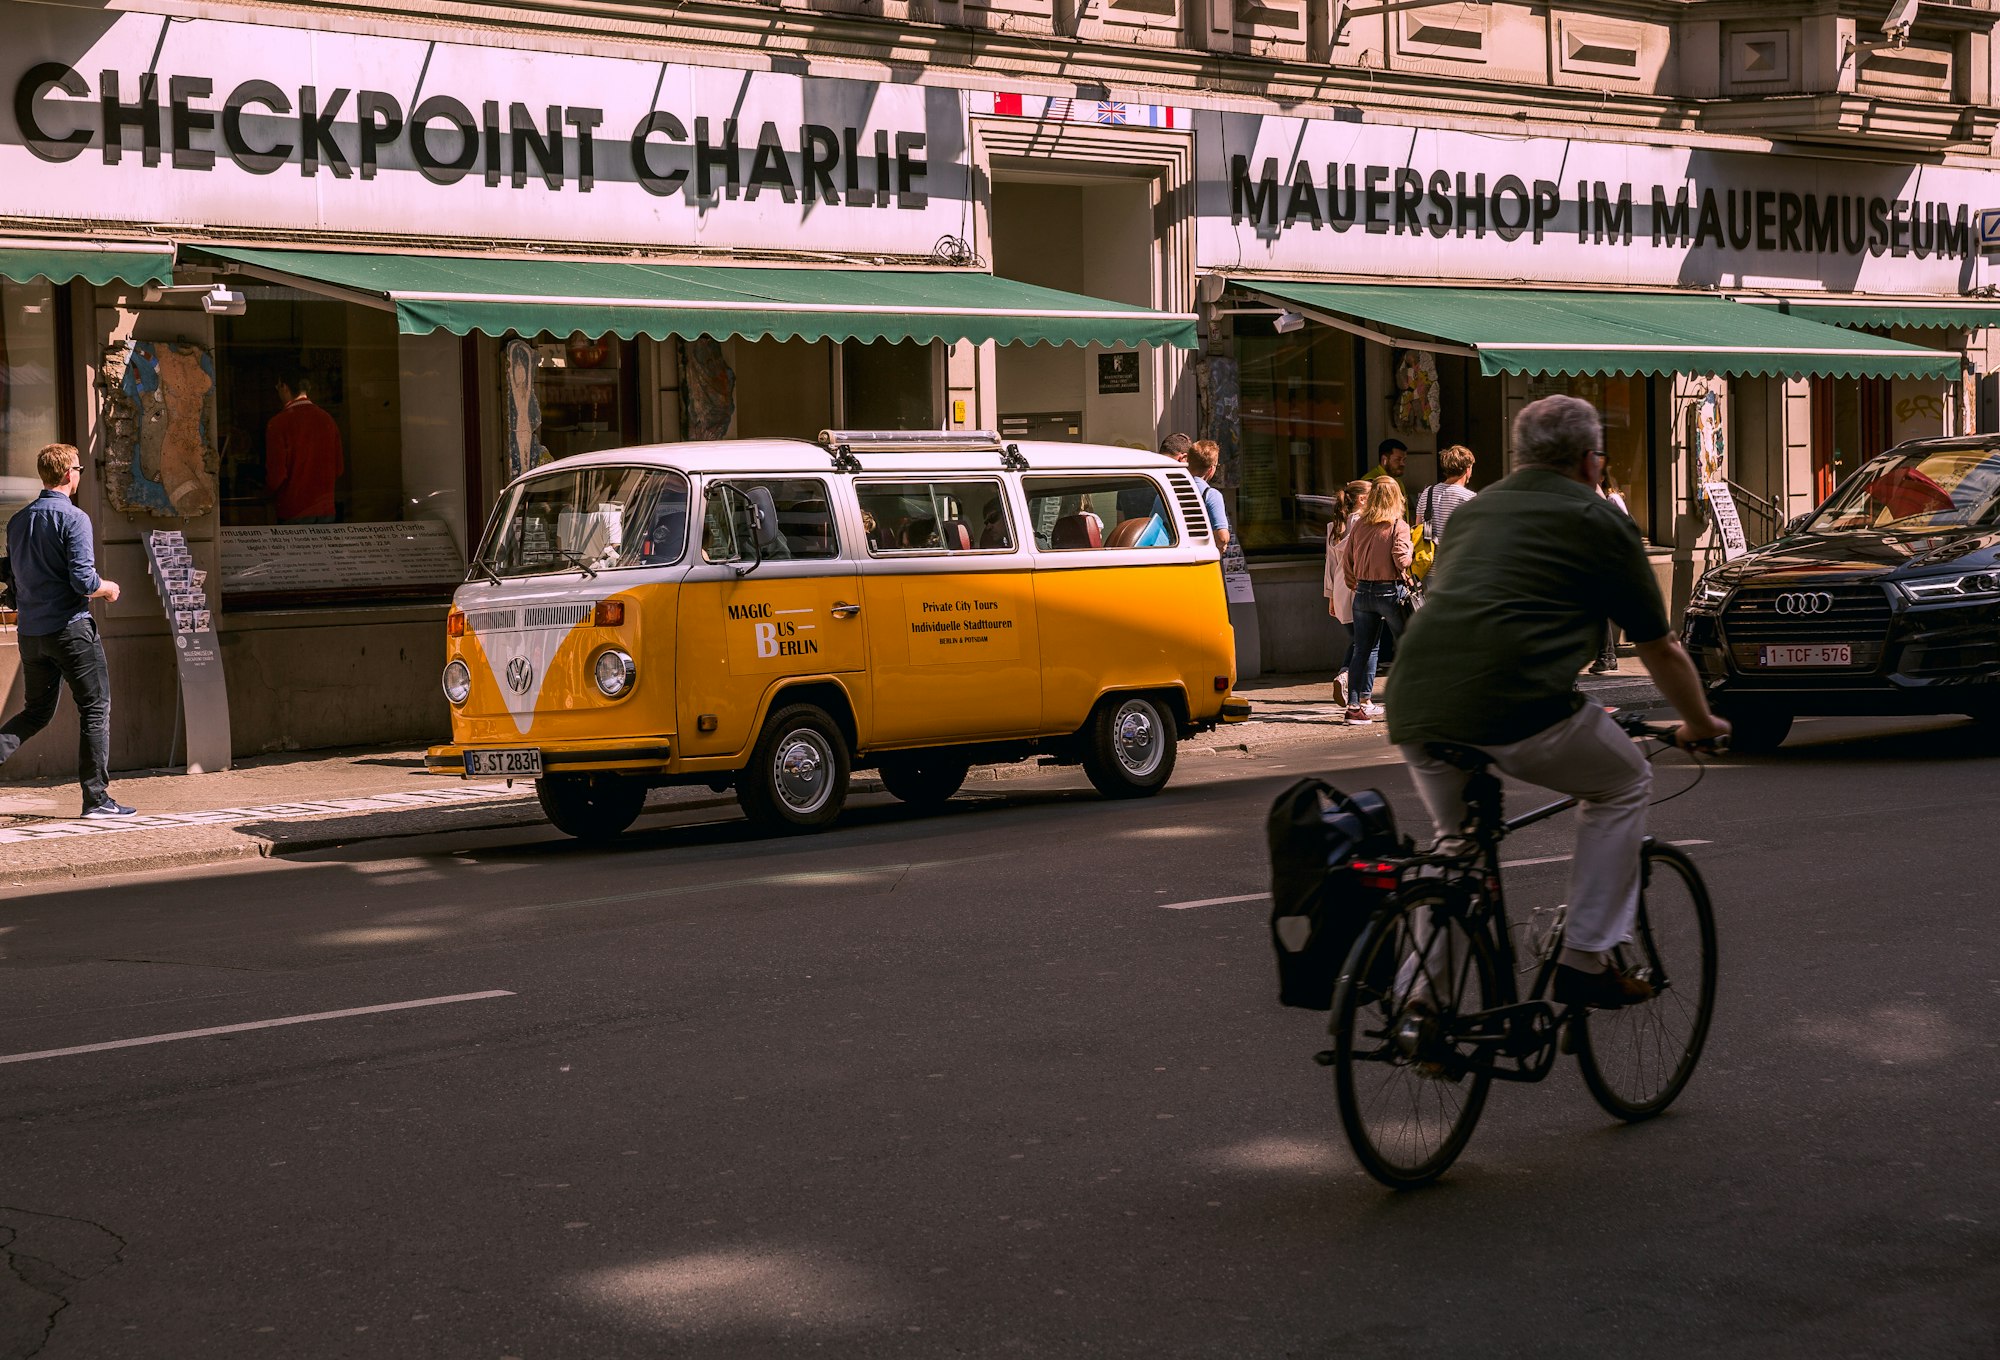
{"type": "Point", "coordinates": [588, 519]}
{"type": "Point", "coordinates": [1069, 513]}
{"type": "Point", "coordinates": [1850, 425]}
{"type": "Point", "coordinates": [342, 454]}
{"type": "Point", "coordinates": [887, 386]}
{"type": "Point", "coordinates": [1297, 411]}
{"type": "Point", "coordinates": [1624, 405]}
{"type": "Point", "coordinates": [933, 517]}
{"type": "Point", "coordinates": [30, 389]}
{"type": "Point", "coordinates": [796, 510]}
{"type": "Point", "coordinates": [587, 391]}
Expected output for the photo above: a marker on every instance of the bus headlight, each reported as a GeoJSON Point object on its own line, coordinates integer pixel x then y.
{"type": "Point", "coordinates": [457, 682]}
{"type": "Point", "coordinates": [615, 672]}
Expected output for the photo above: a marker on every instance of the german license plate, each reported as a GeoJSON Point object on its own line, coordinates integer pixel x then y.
{"type": "Point", "coordinates": [1819, 654]}
{"type": "Point", "coordinates": [523, 763]}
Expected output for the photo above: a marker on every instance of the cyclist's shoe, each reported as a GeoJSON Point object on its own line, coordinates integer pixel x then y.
{"type": "Point", "coordinates": [1605, 991]}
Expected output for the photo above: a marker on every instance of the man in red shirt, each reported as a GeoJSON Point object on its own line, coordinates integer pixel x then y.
{"type": "Point", "coordinates": [302, 456]}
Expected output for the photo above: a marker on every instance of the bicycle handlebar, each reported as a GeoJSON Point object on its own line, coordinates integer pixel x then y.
{"type": "Point", "coordinates": [1636, 726]}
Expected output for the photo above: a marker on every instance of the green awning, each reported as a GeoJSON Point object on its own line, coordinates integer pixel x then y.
{"type": "Point", "coordinates": [1525, 330]}
{"type": "Point", "coordinates": [1959, 314]}
{"type": "Point", "coordinates": [91, 261]}
{"type": "Point", "coordinates": [462, 294]}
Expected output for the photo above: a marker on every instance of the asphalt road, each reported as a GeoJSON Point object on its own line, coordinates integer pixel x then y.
{"type": "Point", "coordinates": [963, 1085]}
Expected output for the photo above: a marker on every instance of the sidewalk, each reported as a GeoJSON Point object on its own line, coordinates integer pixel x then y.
{"type": "Point", "coordinates": [291, 803]}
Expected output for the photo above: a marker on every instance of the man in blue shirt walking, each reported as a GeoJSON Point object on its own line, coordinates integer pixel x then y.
{"type": "Point", "coordinates": [55, 579]}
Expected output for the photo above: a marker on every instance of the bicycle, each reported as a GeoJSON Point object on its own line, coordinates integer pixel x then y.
{"type": "Point", "coordinates": [1427, 1012]}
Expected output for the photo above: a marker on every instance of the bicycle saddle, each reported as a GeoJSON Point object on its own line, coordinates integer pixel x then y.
{"type": "Point", "coordinates": [1466, 758]}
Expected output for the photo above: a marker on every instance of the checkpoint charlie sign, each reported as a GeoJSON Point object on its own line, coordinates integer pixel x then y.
{"type": "Point", "coordinates": [135, 117]}
{"type": "Point", "coordinates": [1322, 196]}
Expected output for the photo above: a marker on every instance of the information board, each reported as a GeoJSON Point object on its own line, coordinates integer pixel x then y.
{"type": "Point", "coordinates": [185, 596]}
{"type": "Point", "coordinates": [1728, 524]}
{"type": "Point", "coordinates": [262, 559]}
{"type": "Point", "coordinates": [1236, 575]}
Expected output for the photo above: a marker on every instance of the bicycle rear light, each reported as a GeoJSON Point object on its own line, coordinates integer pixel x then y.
{"type": "Point", "coordinates": [1377, 874]}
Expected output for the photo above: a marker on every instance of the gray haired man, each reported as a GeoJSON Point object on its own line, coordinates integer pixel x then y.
{"type": "Point", "coordinates": [1514, 608]}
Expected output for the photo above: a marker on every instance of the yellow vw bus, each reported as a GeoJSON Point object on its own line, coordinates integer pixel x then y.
{"type": "Point", "coordinates": [769, 615]}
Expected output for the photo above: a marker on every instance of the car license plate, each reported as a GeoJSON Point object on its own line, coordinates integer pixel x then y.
{"type": "Point", "coordinates": [1821, 654]}
{"type": "Point", "coordinates": [520, 764]}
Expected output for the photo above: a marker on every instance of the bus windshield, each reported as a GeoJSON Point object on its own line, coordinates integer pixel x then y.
{"type": "Point", "coordinates": [588, 519]}
{"type": "Point", "coordinates": [1915, 492]}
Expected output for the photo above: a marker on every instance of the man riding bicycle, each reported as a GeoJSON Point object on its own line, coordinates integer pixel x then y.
{"type": "Point", "coordinates": [1514, 608]}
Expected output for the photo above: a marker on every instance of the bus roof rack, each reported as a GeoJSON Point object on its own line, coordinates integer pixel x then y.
{"type": "Point", "coordinates": [912, 441]}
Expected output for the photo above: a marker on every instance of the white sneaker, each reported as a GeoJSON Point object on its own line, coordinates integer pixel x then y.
{"type": "Point", "coordinates": [1374, 710]}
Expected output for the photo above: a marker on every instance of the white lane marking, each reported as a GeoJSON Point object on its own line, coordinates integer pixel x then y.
{"type": "Point", "coordinates": [1265, 897]}
{"type": "Point", "coordinates": [254, 1024]}
{"type": "Point", "coordinates": [1212, 902]}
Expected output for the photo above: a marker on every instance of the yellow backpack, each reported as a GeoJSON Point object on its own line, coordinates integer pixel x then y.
{"type": "Point", "coordinates": [1423, 547]}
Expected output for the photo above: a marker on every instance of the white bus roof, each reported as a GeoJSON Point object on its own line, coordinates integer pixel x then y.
{"type": "Point", "coordinates": [736, 456]}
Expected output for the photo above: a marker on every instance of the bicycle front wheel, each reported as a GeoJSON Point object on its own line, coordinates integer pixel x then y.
{"type": "Point", "coordinates": [1636, 1060]}
{"type": "Point", "coordinates": [1410, 1092]}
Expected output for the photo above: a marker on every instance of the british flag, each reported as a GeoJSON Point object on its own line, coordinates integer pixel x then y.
{"type": "Point", "coordinates": [1105, 112]}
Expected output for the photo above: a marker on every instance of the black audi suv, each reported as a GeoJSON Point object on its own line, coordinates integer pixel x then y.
{"type": "Point", "coordinates": [1884, 600]}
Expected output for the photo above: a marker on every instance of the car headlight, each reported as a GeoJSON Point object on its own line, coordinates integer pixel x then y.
{"type": "Point", "coordinates": [1708, 594]}
{"type": "Point", "coordinates": [457, 682]}
{"type": "Point", "coordinates": [1977, 586]}
{"type": "Point", "coordinates": [615, 672]}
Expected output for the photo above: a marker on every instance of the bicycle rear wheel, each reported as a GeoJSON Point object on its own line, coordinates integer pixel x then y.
{"type": "Point", "coordinates": [1409, 1094]}
{"type": "Point", "coordinates": [1638, 1059]}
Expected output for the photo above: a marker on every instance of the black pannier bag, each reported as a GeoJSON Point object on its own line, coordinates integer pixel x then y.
{"type": "Point", "coordinates": [1319, 902]}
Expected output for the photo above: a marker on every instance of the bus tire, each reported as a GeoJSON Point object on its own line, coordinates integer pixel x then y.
{"type": "Point", "coordinates": [925, 780]}
{"type": "Point", "coordinates": [591, 807]}
{"type": "Point", "coordinates": [1129, 745]}
{"type": "Point", "coordinates": [797, 776]}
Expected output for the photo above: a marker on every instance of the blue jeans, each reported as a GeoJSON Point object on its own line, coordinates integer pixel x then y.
{"type": "Point", "coordinates": [1378, 608]}
{"type": "Point", "coordinates": [74, 656]}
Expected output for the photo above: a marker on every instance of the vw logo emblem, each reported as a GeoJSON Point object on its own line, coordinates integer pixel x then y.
{"type": "Point", "coordinates": [520, 674]}
{"type": "Point", "coordinates": [1792, 602]}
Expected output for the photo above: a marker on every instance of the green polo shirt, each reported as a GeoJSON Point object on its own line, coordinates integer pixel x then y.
{"type": "Point", "coordinates": [1514, 608]}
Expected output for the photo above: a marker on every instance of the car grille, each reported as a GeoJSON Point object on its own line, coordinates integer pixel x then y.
{"type": "Point", "coordinates": [1860, 616]}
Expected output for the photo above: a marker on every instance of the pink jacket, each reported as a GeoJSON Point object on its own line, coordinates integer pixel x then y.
{"type": "Point", "coordinates": [1376, 552]}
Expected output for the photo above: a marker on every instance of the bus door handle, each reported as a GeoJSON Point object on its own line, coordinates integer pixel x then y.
{"type": "Point", "coordinates": [845, 611]}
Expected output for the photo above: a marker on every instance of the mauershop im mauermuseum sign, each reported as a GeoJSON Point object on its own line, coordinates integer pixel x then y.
{"type": "Point", "coordinates": [1326, 196]}
{"type": "Point", "coordinates": [138, 118]}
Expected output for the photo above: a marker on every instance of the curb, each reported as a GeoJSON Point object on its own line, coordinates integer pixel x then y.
{"type": "Point", "coordinates": [485, 816]}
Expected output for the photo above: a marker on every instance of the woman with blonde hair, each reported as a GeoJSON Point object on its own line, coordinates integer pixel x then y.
{"type": "Point", "coordinates": [1374, 557]}
{"type": "Point", "coordinates": [1339, 591]}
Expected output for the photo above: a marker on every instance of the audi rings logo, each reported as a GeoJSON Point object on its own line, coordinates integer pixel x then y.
{"type": "Point", "coordinates": [520, 674]}
{"type": "Point", "coordinates": [1792, 602]}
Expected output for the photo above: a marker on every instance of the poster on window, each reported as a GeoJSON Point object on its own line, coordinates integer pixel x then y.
{"type": "Point", "coordinates": [160, 456]}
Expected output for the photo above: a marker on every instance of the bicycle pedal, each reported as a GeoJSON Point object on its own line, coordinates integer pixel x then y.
{"type": "Point", "coordinates": [1324, 1057]}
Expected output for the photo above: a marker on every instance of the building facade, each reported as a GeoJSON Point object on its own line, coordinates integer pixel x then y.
{"type": "Point", "coordinates": [475, 241]}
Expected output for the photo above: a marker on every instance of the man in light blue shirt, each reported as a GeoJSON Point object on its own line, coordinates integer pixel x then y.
{"type": "Point", "coordinates": [55, 579]}
{"type": "Point", "coordinates": [1201, 461]}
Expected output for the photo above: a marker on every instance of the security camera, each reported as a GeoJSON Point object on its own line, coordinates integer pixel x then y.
{"type": "Point", "coordinates": [1902, 14]}
{"type": "Point", "coordinates": [1287, 322]}
{"type": "Point", "coordinates": [220, 301]}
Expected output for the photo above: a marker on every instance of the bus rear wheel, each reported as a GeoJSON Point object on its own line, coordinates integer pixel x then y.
{"type": "Point", "coordinates": [591, 807]}
{"type": "Point", "coordinates": [1128, 746]}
